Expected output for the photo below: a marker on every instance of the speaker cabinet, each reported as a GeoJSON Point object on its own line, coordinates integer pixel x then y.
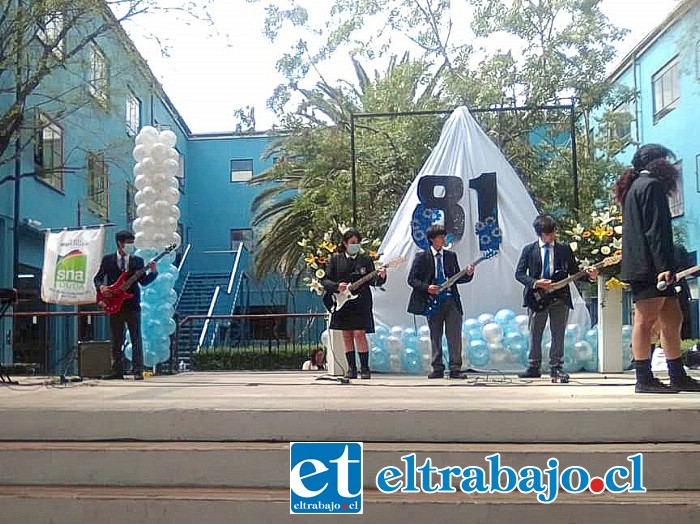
{"type": "Point", "coordinates": [95, 358]}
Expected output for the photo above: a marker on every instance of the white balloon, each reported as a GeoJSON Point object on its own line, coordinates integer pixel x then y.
{"type": "Point", "coordinates": [139, 239]}
{"type": "Point", "coordinates": [141, 182]}
{"type": "Point", "coordinates": [139, 199]}
{"type": "Point", "coordinates": [168, 138]}
{"type": "Point", "coordinates": [172, 196]}
{"type": "Point", "coordinates": [170, 166]}
{"type": "Point", "coordinates": [144, 210]}
{"type": "Point", "coordinates": [159, 240]}
{"type": "Point", "coordinates": [148, 165]}
{"type": "Point", "coordinates": [147, 136]}
{"type": "Point", "coordinates": [148, 195]}
{"type": "Point", "coordinates": [159, 178]}
{"type": "Point", "coordinates": [492, 333]}
{"type": "Point", "coordinates": [161, 208]}
{"type": "Point", "coordinates": [175, 239]}
{"type": "Point", "coordinates": [140, 152]}
{"type": "Point", "coordinates": [159, 153]}
{"type": "Point", "coordinates": [172, 153]}
{"type": "Point", "coordinates": [147, 222]}
{"type": "Point", "coordinates": [175, 212]}
{"type": "Point", "coordinates": [138, 169]}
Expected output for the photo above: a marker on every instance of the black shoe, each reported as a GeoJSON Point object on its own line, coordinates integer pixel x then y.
{"type": "Point", "coordinates": [653, 386]}
{"type": "Point", "coordinates": [365, 373]}
{"type": "Point", "coordinates": [531, 372]}
{"type": "Point", "coordinates": [437, 374]}
{"type": "Point", "coordinates": [351, 373]}
{"type": "Point", "coordinates": [138, 376]}
{"type": "Point", "coordinates": [557, 374]}
{"type": "Point", "coordinates": [456, 375]}
{"type": "Point", "coordinates": [687, 384]}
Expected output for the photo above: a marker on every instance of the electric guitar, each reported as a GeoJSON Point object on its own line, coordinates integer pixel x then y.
{"type": "Point", "coordinates": [538, 299]}
{"type": "Point", "coordinates": [435, 301]}
{"type": "Point", "coordinates": [118, 293]}
{"type": "Point", "coordinates": [661, 286]}
{"type": "Point", "coordinates": [335, 301]}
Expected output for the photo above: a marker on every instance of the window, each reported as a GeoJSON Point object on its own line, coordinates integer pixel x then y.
{"type": "Point", "coordinates": [98, 84]}
{"type": "Point", "coordinates": [242, 235]}
{"type": "Point", "coordinates": [130, 204]}
{"type": "Point", "coordinates": [133, 114]}
{"type": "Point", "coordinates": [620, 125]}
{"type": "Point", "coordinates": [666, 85]}
{"type": "Point", "coordinates": [675, 201]}
{"type": "Point", "coordinates": [180, 172]}
{"type": "Point", "coordinates": [50, 29]}
{"type": "Point", "coordinates": [48, 152]}
{"type": "Point", "coordinates": [241, 170]}
{"type": "Point", "coordinates": [98, 185]}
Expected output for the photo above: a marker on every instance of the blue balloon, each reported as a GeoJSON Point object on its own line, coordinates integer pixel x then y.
{"type": "Point", "coordinates": [592, 364]}
{"type": "Point", "coordinates": [410, 361]}
{"type": "Point", "coordinates": [505, 317]}
{"type": "Point", "coordinates": [523, 358]}
{"type": "Point", "coordinates": [409, 334]}
{"type": "Point", "coordinates": [469, 324]}
{"type": "Point", "coordinates": [571, 365]}
{"type": "Point", "coordinates": [572, 334]}
{"type": "Point", "coordinates": [514, 341]}
{"type": "Point", "coordinates": [381, 331]}
{"type": "Point", "coordinates": [379, 359]}
{"type": "Point", "coordinates": [479, 353]}
{"type": "Point", "coordinates": [591, 337]}
{"type": "Point", "coordinates": [475, 333]}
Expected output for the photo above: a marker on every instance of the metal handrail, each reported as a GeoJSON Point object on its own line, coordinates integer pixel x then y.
{"type": "Point", "coordinates": [203, 334]}
{"type": "Point", "coordinates": [234, 269]}
{"type": "Point", "coordinates": [184, 257]}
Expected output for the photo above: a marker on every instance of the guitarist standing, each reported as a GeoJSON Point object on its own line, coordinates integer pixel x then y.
{"type": "Point", "coordinates": [112, 267]}
{"type": "Point", "coordinates": [355, 318]}
{"type": "Point", "coordinates": [430, 269]}
{"type": "Point", "coordinates": [541, 264]}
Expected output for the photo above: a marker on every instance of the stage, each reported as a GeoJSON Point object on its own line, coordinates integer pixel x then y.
{"type": "Point", "coordinates": [213, 447]}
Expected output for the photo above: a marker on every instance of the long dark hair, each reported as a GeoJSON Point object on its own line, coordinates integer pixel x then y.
{"type": "Point", "coordinates": [654, 159]}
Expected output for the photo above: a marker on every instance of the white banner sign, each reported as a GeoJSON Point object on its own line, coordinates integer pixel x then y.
{"type": "Point", "coordinates": [71, 260]}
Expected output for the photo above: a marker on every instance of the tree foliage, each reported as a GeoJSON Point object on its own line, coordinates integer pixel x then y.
{"type": "Point", "coordinates": [551, 52]}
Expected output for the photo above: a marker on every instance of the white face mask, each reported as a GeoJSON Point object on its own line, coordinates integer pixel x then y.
{"type": "Point", "coordinates": [129, 249]}
{"type": "Point", "coordinates": [354, 249]}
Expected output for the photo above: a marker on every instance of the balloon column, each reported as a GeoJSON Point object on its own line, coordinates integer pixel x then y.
{"type": "Point", "coordinates": [155, 228]}
{"type": "Point", "coordinates": [497, 341]}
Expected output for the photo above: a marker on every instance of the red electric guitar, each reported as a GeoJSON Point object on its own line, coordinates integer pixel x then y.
{"type": "Point", "coordinates": [118, 293]}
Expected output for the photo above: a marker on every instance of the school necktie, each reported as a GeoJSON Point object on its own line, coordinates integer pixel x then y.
{"type": "Point", "coordinates": [545, 271]}
{"type": "Point", "coordinates": [122, 264]}
{"type": "Point", "coordinates": [440, 269]}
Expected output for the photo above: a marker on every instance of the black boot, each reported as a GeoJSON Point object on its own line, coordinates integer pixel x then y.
{"type": "Point", "coordinates": [364, 365]}
{"type": "Point", "coordinates": [646, 382]}
{"type": "Point", "coordinates": [352, 365]}
{"type": "Point", "coordinates": [679, 379]}
{"type": "Point", "coordinates": [531, 372]}
{"type": "Point", "coordinates": [557, 374]}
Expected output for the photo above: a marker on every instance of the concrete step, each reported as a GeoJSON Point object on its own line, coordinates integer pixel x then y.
{"type": "Point", "coordinates": [135, 505]}
{"type": "Point", "coordinates": [218, 464]}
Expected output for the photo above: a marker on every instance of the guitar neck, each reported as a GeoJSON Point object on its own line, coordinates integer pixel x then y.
{"type": "Point", "coordinates": [687, 272]}
{"type": "Point", "coordinates": [565, 282]}
{"type": "Point", "coordinates": [358, 283]}
{"type": "Point", "coordinates": [454, 278]}
{"type": "Point", "coordinates": [138, 274]}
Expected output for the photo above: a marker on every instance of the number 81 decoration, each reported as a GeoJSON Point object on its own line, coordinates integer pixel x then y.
{"type": "Point", "coordinates": [439, 197]}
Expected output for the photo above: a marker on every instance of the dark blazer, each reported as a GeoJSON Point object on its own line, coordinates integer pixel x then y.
{"type": "Point", "coordinates": [109, 271]}
{"type": "Point", "coordinates": [647, 235]}
{"type": "Point", "coordinates": [422, 275]}
{"type": "Point", "coordinates": [529, 268]}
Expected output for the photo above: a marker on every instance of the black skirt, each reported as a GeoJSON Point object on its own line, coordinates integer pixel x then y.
{"type": "Point", "coordinates": [355, 314]}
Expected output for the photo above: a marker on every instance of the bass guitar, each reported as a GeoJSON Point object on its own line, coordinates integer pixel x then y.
{"type": "Point", "coordinates": [335, 301]}
{"type": "Point", "coordinates": [112, 304]}
{"type": "Point", "coordinates": [538, 299]}
{"type": "Point", "coordinates": [435, 301]}
{"type": "Point", "coordinates": [661, 286]}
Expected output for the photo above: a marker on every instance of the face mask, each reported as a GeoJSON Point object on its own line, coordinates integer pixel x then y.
{"type": "Point", "coordinates": [129, 249]}
{"type": "Point", "coordinates": [354, 249]}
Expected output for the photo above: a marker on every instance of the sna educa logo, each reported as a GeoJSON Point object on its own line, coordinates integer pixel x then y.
{"type": "Point", "coordinates": [325, 477]}
{"type": "Point", "coordinates": [71, 270]}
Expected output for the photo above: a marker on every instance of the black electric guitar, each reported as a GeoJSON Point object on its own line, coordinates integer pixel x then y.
{"type": "Point", "coordinates": [538, 299]}
{"type": "Point", "coordinates": [661, 286]}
